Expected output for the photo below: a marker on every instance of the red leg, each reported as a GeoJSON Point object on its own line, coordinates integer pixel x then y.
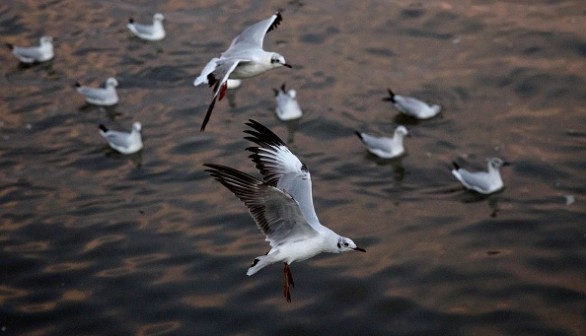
{"type": "Point", "coordinates": [223, 90]}
{"type": "Point", "coordinates": [288, 282]}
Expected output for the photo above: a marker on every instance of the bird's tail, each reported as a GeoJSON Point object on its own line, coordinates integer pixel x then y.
{"type": "Point", "coordinates": [103, 128]}
{"type": "Point", "coordinates": [260, 263]}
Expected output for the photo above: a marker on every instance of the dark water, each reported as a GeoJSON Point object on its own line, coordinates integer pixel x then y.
{"type": "Point", "coordinates": [95, 243]}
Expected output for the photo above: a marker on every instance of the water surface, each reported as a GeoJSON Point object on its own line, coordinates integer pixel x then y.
{"type": "Point", "coordinates": [96, 243]}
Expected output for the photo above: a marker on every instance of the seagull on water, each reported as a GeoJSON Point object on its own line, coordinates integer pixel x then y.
{"type": "Point", "coordinates": [244, 58]}
{"type": "Point", "coordinates": [42, 53]}
{"type": "Point", "coordinates": [123, 142]}
{"type": "Point", "coordinates": [287, 105]}
{"type": "Point", "coordinates": [384, 147]}
{"type": "Point", "coordinates": [482, 182]}
{"type": "Point", "coordinates": [105, 96]}
{"type": "Point", "coordinates": [153, 32]}
{"type": "Point", "coordinates": [413, 107]}
{"type": "Point", "coordinates": [281, 204]}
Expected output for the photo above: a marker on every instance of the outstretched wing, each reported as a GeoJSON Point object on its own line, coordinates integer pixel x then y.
{"type": "Point", "coordinates": [253, 36]}
{"type": "Point", "coordinates": [208, 69]}
{"type": "Point", "coordinates": [223, 70]}
{"type": "Point", "coordinates": [275, 212]}
{"type": "Point", "coordinates": [282, 169]}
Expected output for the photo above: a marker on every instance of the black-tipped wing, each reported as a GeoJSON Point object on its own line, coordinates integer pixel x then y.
{"type": "Point", "coordinates": [275, 212]}
{"type": "Point", "coordinates": [254, 35]}
{"type": "Point", "coordinates": [222, 71]}
{"type": "Point", "coordinates": [282, 169]}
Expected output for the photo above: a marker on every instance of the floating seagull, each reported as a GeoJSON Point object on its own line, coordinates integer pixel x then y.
{"type": "Point", "coordinates": [42, 53]}
{"type": "Point", "coordinates": [482, 182]}
{"type": "Point", "coordinates": [281, 204]}
{"type": "Point", "coordinates": [385, 147]}
{"type": "Point", "coordinates": [244, 58]}
{"type": "Point", "coordinates": [124, 142]}
{"type": "Point", "coordinates": [152, 32]}
{"type": "Point", "coordinates": [413, 107]}
{"type": "Point", "coordinates": [287, 106]}
{"type": "Point", "coordinates": [105, 96]}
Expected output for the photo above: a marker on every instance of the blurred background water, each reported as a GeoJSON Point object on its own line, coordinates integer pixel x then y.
{"type": "Point", "coordinates": [96, 243]}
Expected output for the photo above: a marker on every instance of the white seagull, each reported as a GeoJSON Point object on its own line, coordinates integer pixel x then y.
{"type": "Point", "coordinates": [482, 182]}
{"type": "Point", "coordinates": [105, 96]}
{"type": "Point", "coordinates": [281, 204]}
{"type": "Point", "coordinates": [384, 147]}
{"type": "Point", "coordinates": [124, 142]}
{"type": "Point", "coordinates": [287, 105]}
{"type": "Point", "coordinates": [413, 107]}
{"type": "Point", "coordinates": [244, 58]}
{"type": "Point", "coordinates": [42, 53]}
{"type": "Point", "coordinates": [152, 32]}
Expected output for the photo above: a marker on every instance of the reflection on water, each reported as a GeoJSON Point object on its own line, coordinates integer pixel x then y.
{"type": "Point", "coordinates": [97, 243]}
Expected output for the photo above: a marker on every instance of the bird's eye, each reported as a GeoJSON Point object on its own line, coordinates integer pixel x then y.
{"type": "Point", "coordinates": [346, 244]}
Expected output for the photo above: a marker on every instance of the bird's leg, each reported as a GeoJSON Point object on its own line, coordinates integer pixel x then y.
{"type": "Point", "coordinates": [223, 90]}
{"type": "Point", "coordinates": [288, 282]}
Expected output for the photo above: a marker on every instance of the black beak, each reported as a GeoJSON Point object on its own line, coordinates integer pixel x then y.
{"type": "Point", "coordinates": [505, 163]}
{"type": "Point", "coordinates": [359, 249]}
{"type": "Point", "coordinates": [287, 65]}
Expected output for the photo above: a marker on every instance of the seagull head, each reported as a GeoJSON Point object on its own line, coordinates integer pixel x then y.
{"type": "Point", "coordinates": [46, 40]}
{"type": "Point", "coordinates": [496, 162]}
{"type": "Point", "coordinates": [158, 17]}
{"type": "Point", "coordinates": [346, 244]}
{"type": "Point", "coordinates": [278, 60]}
{"type": "Point", "coordinates": [111, 82]}
{"type": "Point", "coordinates": [436, 108]}
{"type": "Point", "coordinates": [136, 127]}
{"type": "Point", "coordinates": [401, 130]}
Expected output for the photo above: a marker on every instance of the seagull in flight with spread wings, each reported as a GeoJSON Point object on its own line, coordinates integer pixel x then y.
{"type": "Point", "coordinates": [281, 204]}
{"type": "Point", "coordinates": [244, 58]}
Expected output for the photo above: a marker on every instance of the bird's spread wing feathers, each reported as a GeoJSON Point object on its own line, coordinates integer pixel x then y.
{"type": "Point", "coordinates": [223, 70]}
{"type": "Point", "coordinates": [275, 212]}
{"type": "Point", "coordinates": [254, 35]}
{"type": "Point", "coordinates": [282, 169]}
{"type": "Point", "coordinates": [208, 69]}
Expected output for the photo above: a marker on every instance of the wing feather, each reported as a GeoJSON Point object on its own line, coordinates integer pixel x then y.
{"type": "Point", "coordinates": [275, 212]}
{"type": "Point", "coordinates": [282, 169]}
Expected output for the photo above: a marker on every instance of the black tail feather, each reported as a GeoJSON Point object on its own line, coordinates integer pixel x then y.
{"type": "Point", "coordinates": [103, 128]}
{"type": "Point", "coordinates": [392, 95]}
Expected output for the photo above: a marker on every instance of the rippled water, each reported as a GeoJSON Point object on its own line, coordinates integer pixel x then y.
{"type": "Point", "coordinates": [95, 243]}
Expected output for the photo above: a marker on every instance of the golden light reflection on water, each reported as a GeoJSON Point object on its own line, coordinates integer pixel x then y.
{"type": "Point", "coordinates": [161, 243]}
